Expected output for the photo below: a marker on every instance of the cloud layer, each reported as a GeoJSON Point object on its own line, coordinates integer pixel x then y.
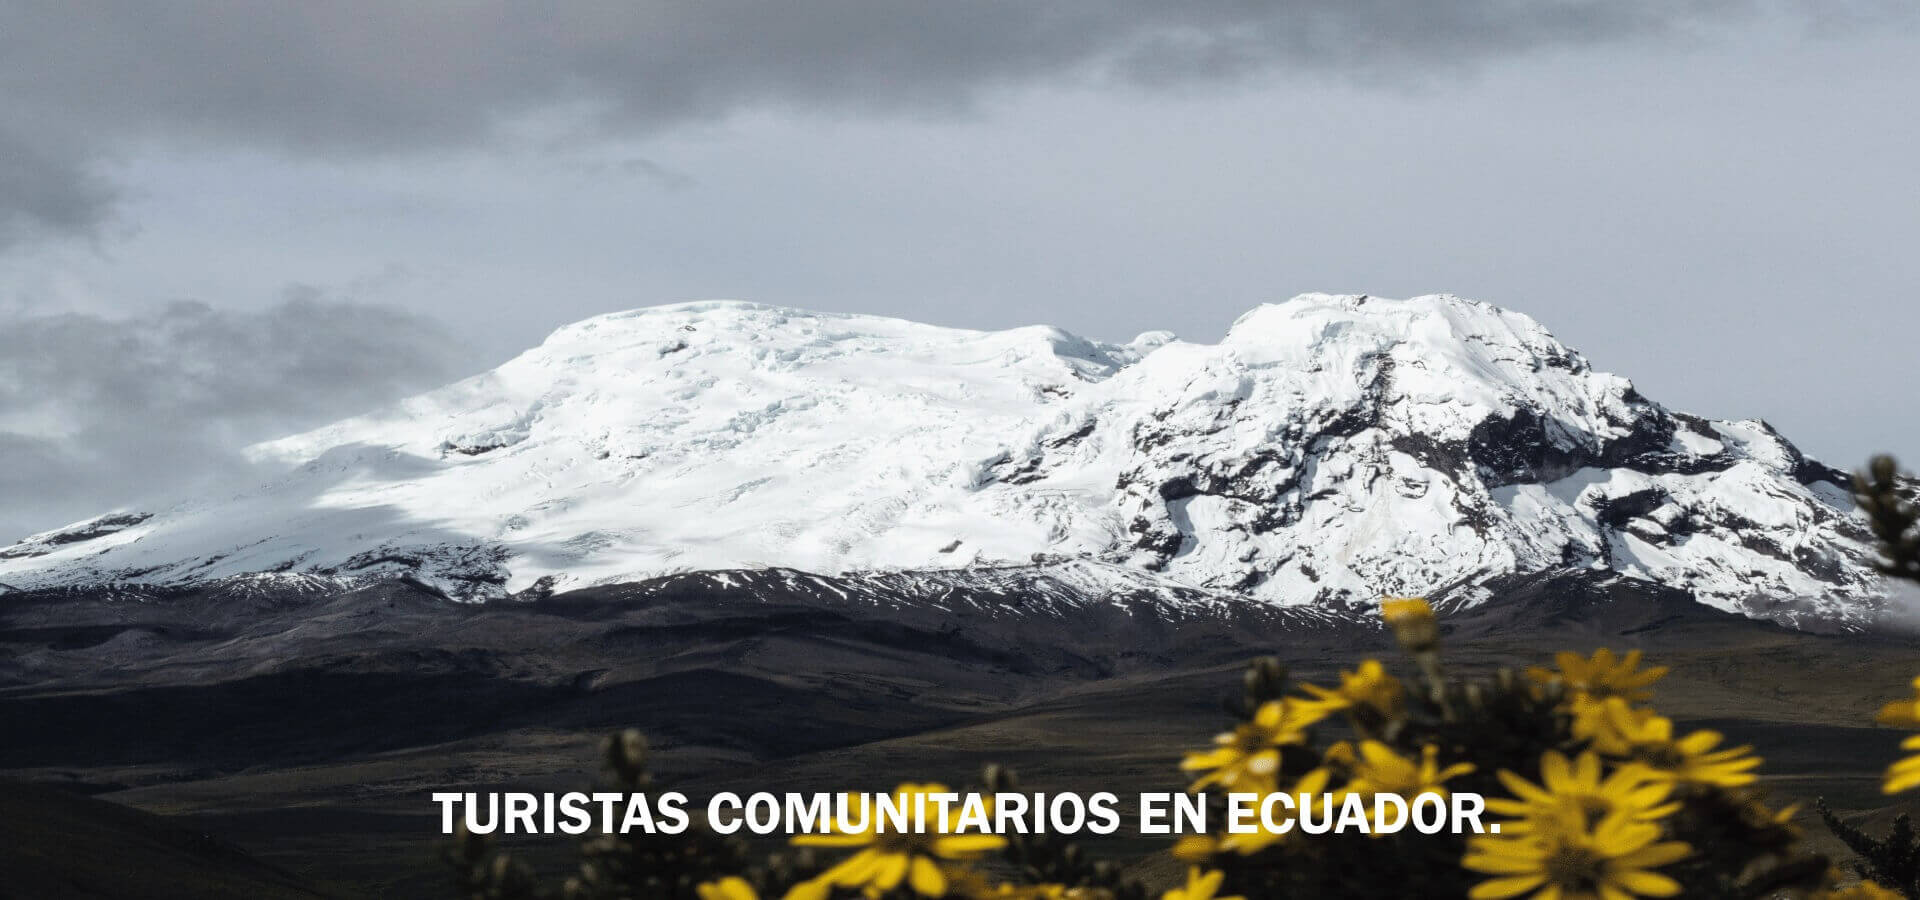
{"type": "Point", "coordinates": [48, 193]}
{"type": "Point", "coordinates": [90, 78]}
{"type": "Point", "coordinates": [99, 412]}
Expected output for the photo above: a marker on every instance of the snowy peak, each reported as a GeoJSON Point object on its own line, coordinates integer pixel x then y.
{"type": "Point", "coordinates": [1443, 362]}
{"type": "Point", "coordinates": [1335, 448]}
{"type": "Point", "coordinates": [694, 367]}
{"type": "Point", "coordinates": [1327, 450]}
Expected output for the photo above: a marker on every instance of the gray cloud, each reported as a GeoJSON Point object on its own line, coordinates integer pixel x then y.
{"type": "Point", "coordinates": [370, 77]}
{"type": "Point", "coordinates": [45, 193]}
{"type": "Point", "coordinates": [636, 167]}
{"type": "Point", "coordinates": [96, 412]}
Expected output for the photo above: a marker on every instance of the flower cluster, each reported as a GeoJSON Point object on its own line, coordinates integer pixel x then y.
{"type": "Point", "coordinates": [1598, 796]}
{"type": "Point", "coordinates": [887, 859]}
{"type": "Point", "coordinates": [1638, 810]}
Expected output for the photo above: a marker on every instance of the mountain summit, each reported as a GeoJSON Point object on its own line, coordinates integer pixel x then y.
{"type": "Point", "coordinates": [1328, 450]}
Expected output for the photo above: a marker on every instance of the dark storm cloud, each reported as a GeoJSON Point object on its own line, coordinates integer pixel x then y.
{"type": "Point", "coordinates": [358, 77]}
{"type": "Point", "coordinates": [95, 411]}
{"type": "Point", "coordinates": [45, 192]}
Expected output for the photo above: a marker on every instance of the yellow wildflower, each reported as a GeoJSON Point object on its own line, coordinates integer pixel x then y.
{"type": "Point", "coordinates": [1645, 738]}
{"type": "Point", "coordinates": [975, 886]}
{"type": "Point", "coordinates": [1005, 891]}
{"type": "Point", "coordinates": [1376, 769]}
{"type": "Point", "coordinates": [1200, 886]}
{"type": "Point", "coordinates": [1379, 770]}
{"type": "Point", "coordinates": [1195, 848]}
{"type": "Point", "coordinates": [1757, 815]}
{"type": "Point", "coordinates": [1251, 751]}
{"type": "Point", "coordinates": [1904, 774]}
{"type": "Point", "coordinates": [1591, 719]}
{"type": "Point", "coordinates": [1313, 785]}
{"type": "Point", "coordinates": [1865, 890]}
{"type": "Point", "coordinates": [1412, 621]}
{"type": "Point", "coordinates": [1601, 676]}
{"type": "Point", "coordinates": [1613, 860]}
{"type": "Point", "coordinates": [888, 858]}
{"type": "Point", "coordinates": [732, 887]}
{"type": "Point", "coordinates": [1905, 713]}
{"type": "Point", "coordinates": [1575, 791]}
{"type": "Point", "coordinates": [1368, 686]}
{"type": "Point", "coordinates": [1340, 757]}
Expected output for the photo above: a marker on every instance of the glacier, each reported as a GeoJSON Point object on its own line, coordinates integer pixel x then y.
{"type": "Point", "coordinates": [1328, 450]}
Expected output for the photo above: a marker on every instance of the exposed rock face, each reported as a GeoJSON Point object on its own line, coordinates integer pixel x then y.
{"type": "Point", "coordinates": [1329, 449]}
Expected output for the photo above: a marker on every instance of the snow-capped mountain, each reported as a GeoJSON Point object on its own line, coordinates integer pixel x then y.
{"type": "Point", "coordinates": [1328, 450]}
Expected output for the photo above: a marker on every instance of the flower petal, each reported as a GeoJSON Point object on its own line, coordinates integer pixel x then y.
{"type": "Point", "coordinates": [1502, 888]}
{"type": "Point", "coordinates": [926, 879]}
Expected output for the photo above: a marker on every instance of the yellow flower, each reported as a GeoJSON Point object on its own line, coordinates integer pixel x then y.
{"type": "Point", "coordinates": [1376, 769]}
{"type": "Point", "coordinates": [974, 886]}
{"type": "Point", "coordinates": [1601, 676]}
{"type": "Point", "coordinates": [1645, 738]}
{"type": "Point", "coordinates": [1612, 861]}
{"type": "Point", "coordinates": [1005, 891]}
{"type": "Point", "coordinates": [889, 858]}
{"type": "Point", "coordinates": [731, 887]}
{"type": "Point", "coordinates": [1754, 814]}
{"type": "Point", "coordinates": [1904, 774]}
{"type": "Point", "coordinates": [1250, 753]}
{"type": "Point", "coordinates": [1340, 757]}
{"type": "Point", "coordinates": [1313, 785]}
{"type": "Point", "coordinates": [1592, 720]}
{"type": "Point", "coordinates": [1195, 848]}
{"type": "Point", "coordinates": [1905, 713]}
{"type": "Point", "coordinates": [1411, 619]}
{"type": "Point", "coordinates": [1379, 770]}
{"type": "Point", "coordinates": [1200, 886]}
{"type": "Point", "coordinates": [1575, 792]}
{"type": "Point", "coordinates": [1865, 890]}
{"type": "Point", "coordinates": [1369, 686]}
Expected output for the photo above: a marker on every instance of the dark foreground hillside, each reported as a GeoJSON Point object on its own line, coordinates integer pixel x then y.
{"type": "Point", "coordinates": [271, 744]}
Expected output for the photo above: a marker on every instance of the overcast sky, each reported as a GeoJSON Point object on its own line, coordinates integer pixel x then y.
{"type": "Point", "coordinates": [220, 221]}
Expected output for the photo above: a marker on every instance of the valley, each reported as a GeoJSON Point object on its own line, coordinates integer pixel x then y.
{"type": "Point", "coordinates": [309, 736]}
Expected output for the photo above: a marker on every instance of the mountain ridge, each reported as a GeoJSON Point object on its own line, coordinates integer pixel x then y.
{"type": "Point", "coordinates": [1327, 450]}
